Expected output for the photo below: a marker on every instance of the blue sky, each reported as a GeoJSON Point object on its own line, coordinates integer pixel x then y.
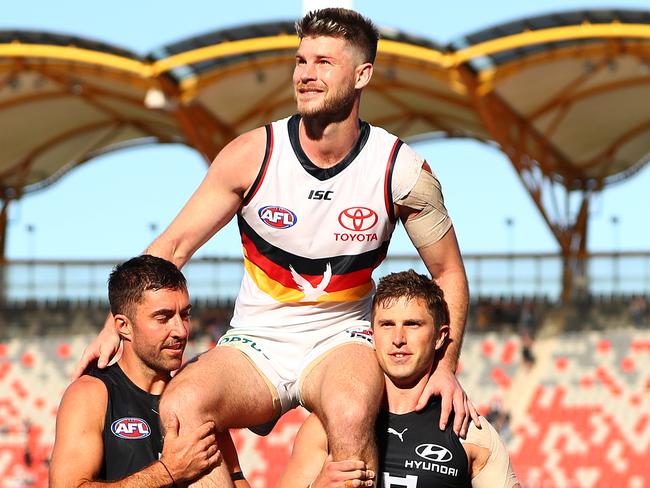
{"type": "Point", "coordinates": [106, 208]}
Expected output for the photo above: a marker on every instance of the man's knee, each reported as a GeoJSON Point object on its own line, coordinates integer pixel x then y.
{"type": "Point", "coordinates": [351, 414]}
{"type": "Point", "coordinates": [184, 399]}
{"type": "Point", "coordinates": [353, 405]}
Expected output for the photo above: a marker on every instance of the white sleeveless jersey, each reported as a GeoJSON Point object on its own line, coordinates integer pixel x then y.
{"type": "Point", "coordinates": [313, 236]}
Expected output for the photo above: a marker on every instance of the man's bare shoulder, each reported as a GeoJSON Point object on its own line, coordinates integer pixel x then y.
{"type": "Point", "coordinates": [241, 159]}
{"type": "Point", "coordinates": [247, 144]}
{"type": "Point", "coordinates": [87, 394]}
{"type": "Point", "coordinates": [80, 416]}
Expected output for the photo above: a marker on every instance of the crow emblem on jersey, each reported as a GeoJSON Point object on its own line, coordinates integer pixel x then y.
{"type": "Point", "coordinates": [130, 428]}
{"type": "Point", "coordinates": [277, 217]}
{"type": "Point", "coordinates": [312, 293]}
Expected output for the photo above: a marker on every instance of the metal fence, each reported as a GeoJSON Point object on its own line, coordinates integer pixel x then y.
{"type": "Point", "coordinates": [219, 278]}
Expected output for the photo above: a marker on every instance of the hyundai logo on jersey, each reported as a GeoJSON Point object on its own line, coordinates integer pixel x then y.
{"type": "Point", "coordinates": [277, 217]}
{"type": "Point", "coordinates": [434, 452]}
{"type": "Point", "coordinates": [130, 428]}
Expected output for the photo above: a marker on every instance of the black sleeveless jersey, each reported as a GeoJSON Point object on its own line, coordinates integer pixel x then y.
{"type": "Point", "coordinates": [415, 453]}
{"type": "Point", "coordinates": [132, 435]}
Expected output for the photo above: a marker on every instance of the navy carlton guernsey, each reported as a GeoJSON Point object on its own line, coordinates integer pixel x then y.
{"type": "Point", "coordinates": [417, 454]}
{"type": "Point", "coordinates": [132, 435]}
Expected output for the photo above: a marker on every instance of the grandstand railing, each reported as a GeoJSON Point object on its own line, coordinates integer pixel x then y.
{"type": "Point", "coordinates": [521, 274]}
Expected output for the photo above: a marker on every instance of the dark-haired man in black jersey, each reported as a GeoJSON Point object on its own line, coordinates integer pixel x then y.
{"type": "Point", "coordinates": [108, 431]}
{"type": "Point", "coordinates": [409, 319]}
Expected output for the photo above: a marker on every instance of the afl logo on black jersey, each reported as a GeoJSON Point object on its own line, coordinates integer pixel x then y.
{"type": "Point", "coordinates": [277, 217]}
{"type": "Point", "coordinates": [434, 452]}
{"type": "Point", "coordinates": [130, 428]}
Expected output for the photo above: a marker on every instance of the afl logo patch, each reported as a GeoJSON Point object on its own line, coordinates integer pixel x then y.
{"type": "Point", "coordinates": [358, 218]}
{"type": "Point", "coordinates": [130, 428]}
{"type": "Point", "coordinates": [277, 217]}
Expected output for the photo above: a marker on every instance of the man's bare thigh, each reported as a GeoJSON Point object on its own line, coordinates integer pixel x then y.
{"type": "Point", "coordinates": [349, 370]}
{"type": "Point", "coordinates": [221, 385]}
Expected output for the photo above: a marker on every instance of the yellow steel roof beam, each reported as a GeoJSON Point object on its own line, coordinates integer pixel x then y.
{"type": "Point", "coordinates": [75, 54]}
{"type": "Point", "coordinates": [280, 42]}
{"type": "Point", "coordinates": [639, 50]}
{"type": "Point", "coordinates": [404, 49]}
{"type": "Point", "coordinates": [225, 49]}
{"type": "Point", "coordinates": [221, 50]}
{"type": "Point", "coordinates": [555, 34]}
{"type": "Point", "coordinates": [286, 41]}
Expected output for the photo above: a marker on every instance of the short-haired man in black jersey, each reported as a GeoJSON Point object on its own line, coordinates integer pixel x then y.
{"type": "Point", "coordinates": [410, 324]}
{"type": "Point", "coordinates": [108, 431]}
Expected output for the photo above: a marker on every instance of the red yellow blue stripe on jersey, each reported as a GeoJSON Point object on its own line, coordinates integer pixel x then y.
{"type": "Point", "coordinates": [288, 277]}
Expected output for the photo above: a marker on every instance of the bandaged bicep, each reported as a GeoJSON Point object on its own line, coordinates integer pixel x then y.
{"type": "Point", "coordinates": [431, 222]}
{"type": "Point", "coordinates": [497, 472]}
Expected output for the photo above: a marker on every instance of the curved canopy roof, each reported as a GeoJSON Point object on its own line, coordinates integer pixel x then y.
{"type": "Point", "coordinates": [64, 100]}
{"type": "Point", "coordinates": [565, 93]}
{"type": "Point", "coordinates": [576, 82]}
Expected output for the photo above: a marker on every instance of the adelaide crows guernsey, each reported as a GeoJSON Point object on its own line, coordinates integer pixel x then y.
{"type": "Point", "coordinates": [132, 436]}
{"type": "Point", "coordinates": [417, 454]}
{"type": "Point", "coordinates": [311, 236]}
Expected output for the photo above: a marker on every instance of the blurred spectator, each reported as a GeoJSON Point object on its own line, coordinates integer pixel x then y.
{"type": "Point", "coordinates": [483, 315]}
{"type": "Point", "coordinates": [215, 322]}
{"type": "Point", "coordinates": [496, 313]}
{"type": "Point", "coordinates": [527, 356]}
{"type": "Point", "coordinates": [500, 419]}
{"type": "Point", "coordinates": [27, 457]}
{"type": "Point", "coordinates": [527, 316]}
{"type": "Point", "coordinates": [527, 326]}
{"type": "Point", "coordinates": [216, 328]}
{"type": "Point", "coordinates": [638, 308]}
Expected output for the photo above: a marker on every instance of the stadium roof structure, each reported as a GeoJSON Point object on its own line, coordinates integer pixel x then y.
{"type": "Point", "coordinates": [564, 96]}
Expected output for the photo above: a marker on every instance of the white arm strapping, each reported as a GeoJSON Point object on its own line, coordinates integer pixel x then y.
{"type": "Point", "coordinates": [432, 222]}
{"type": "Point", "coordinates": [497, 472]}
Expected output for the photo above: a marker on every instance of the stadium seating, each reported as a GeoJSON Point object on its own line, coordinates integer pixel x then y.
{"type": "Point", "coordinates": [585, 421]}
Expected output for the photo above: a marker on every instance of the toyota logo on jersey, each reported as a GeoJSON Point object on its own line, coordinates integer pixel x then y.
{"type": "Point", "coordinates": [277, 217]}
{"type": "Point", "coordinates": [358, 219]}
{"type": "Point", "coordinates": [130, 428]}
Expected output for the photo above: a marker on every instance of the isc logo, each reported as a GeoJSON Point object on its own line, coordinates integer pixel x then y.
{"type": "Point", "coordinates": [131, 428]}
{"type": "Point", "coordinates": [320, 195]}
{"type": "Point", "coordinates": [277, 217]}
